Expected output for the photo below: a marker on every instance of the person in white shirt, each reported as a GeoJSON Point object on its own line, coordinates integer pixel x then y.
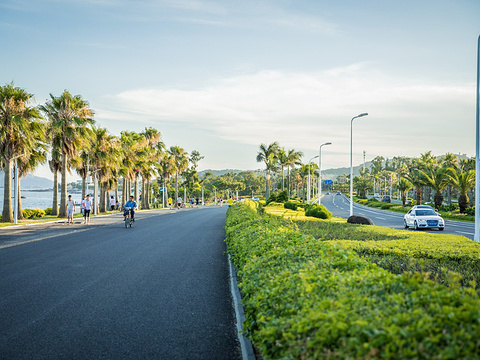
{"type": "Point", "coordinates": [87, 205]}
{"type": "Point", "coordinates": [70, 209]}
{"type": "Point", "coordinates": [112, 203]}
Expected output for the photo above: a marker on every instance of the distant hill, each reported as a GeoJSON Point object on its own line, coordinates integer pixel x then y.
{"type": "Point", "coordinates": [31, 182]}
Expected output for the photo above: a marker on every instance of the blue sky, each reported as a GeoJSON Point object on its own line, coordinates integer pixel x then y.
{"type": "Point", "coordinates": [222, 77]}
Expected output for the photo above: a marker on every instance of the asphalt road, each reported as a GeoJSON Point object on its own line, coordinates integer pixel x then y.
{"type": "Point", "coordinates": [339, 205]}
{"type": "Point", "coordinates": [159, 290]}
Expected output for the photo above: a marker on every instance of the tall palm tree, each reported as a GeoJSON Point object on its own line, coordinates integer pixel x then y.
{"type": "Point", "coordinates": [450, 161]}
{"type": "Point", "coordinates": [294, 158]}
{"type": "Point", "coordinates": [404, 186]}
{"type": "Point", "coordinates": [166, 168]}
{"type": "Point", "coordinates": [463, 180]}
{"type": "Point", "coordinates": [153, 152]}
{"type": "Point", "coordinates": [416, 179]}
{"type": "Point", "coordinates": [70, 119]}
{"type": "Point", "coordinates": [180, 162]}
{"type": "Point", "coordinates": [268, 155]}
{"type": "Point", "coordinates": [282, 157]}
{"type": "Point", "coordinates": [436, 178]}
{"type": "Point", "coordinates": [16, 118]}
{"type": "Point", "coordinates": [104, 153]}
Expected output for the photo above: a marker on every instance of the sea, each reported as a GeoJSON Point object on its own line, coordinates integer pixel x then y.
{"type": "Point", "coordinates": [41, 199]}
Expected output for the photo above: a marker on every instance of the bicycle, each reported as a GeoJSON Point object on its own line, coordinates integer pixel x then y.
{"type": "Point", "coordinates": [127, 215]}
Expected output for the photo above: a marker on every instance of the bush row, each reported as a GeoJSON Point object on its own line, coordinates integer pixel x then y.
{"type": "Point", "coordinates": [305, 298]}
{"type": "Point", "coordinates": [33, 213]}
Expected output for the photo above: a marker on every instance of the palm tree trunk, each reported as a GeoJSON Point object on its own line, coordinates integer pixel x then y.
{"type": "Point", "coordinates": [135, 196]}
{"type": "Point", "coordinates": [176, 189]}
{"type": "Point", "coordinates": [63, 195]}
{"type": "Point", "coordinates": [267, 185]}
{"type": "Point", "coordinates": [84, 186]}
{"type": "Point", "coordinates": [144, 194]}
{"type": "Point", "coordinates": [7, 213]}
{"type": "Point", "coordinates": [55, 194]}
{"type": "Point", "coordinates": [147, 195]}
{"type": "Point", "coordinates": [283, 178]}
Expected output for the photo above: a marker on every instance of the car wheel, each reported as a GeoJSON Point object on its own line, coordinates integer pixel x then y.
{"type": "Point", "coordinates": [415, 226]}
{"type": "Point", "coordinates": [441, 229]}
{"type": "Point", "coordinates": [405, 224]}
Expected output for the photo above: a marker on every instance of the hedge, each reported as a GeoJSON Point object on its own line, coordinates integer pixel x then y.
{"type": "Point", "coordinates": [308, 299]}
{"type": "Point", "coordinates": [33, 213]}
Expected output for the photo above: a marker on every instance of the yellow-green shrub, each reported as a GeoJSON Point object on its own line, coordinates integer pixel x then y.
{"type": "Point", "coordinates": [310, 299]}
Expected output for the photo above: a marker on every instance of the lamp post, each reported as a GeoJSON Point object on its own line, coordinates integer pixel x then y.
{"type": "Point", "coordinates": [351, 163]}
{"type": "Point", "coordinates": [320, 172]}
{"type": "Point", "coordinates": [308, 182]}
{"type": "Point", "coordinates": [477, 151]}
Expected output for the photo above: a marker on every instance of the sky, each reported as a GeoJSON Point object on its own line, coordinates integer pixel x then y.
{"type": "Point", "coordinates": [222, 77]}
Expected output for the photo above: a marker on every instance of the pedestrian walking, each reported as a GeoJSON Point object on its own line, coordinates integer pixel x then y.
{"type": "Point", "coordinates": [82, 208]}
{"type": "Point", "coordinates": [70, 209]}
{"type": "Point", "coordinates": [230, 202]}
{"type": "Point", "coordinates": [221, 202]}
{"type": "Point", "coordinates": [112, 203]}
{"type": "Point", "coordinates": [88, 208]}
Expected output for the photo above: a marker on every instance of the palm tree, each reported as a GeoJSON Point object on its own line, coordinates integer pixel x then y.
{"type": "Point", "coordinates": [436, 178]}
{"type": "Point", "coordinates": [104, 153]}
{"type": "Point", "coordinates": [152, 150]}
{"type": "Point", "coordinates": [294, 158]}
{"type": "Point", "coordinates": [16, 122]}
{"type": "Point", "coordinates": [417, 180]}
{"type": "Point", "coordinates": [180, 162]}
{"type": "Point", "coordinates": [463, 180]}
{"type": "Point", "coordinates": [166, 169]}
{"type": "Point", "coordinates": [282, 157]}
{"type": "Point", "coordinates": [404, 186]}
{"type": "Point", "coordinates": [70, 119]}
{"type": "Point", "coordinates": [268, 154]}
{"type": "Point", "coordinates": [450, 161]}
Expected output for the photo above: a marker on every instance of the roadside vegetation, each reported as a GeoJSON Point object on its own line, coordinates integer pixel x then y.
{"type": "Point", "coordinates": [325, 289]}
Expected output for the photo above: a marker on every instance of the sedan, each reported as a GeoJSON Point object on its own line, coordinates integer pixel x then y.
{"type": "Point", "coordinates": [423, 218]}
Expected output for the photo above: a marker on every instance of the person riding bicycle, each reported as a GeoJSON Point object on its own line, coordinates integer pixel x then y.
{"type": "Point", "coordinates": [132, 205]}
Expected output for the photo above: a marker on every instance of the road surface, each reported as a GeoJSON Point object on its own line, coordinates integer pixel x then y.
{"type": "Point", "coordinates": [159, 290]}
{"type": "Point", "coordinates": [339, 205]}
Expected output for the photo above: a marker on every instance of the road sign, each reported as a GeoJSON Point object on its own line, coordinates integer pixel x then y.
{"type": "Point", "coordinates": [328, 182]}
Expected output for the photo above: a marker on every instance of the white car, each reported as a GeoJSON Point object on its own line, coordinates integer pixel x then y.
{"type": "Point", "coordinates": [423, 217]}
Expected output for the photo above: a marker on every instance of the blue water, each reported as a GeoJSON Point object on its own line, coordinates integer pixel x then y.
{"type": "Point", "coordinates": [39, 199]}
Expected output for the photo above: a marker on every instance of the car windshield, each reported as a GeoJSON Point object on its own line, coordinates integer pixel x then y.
{"type": "Point", "coordinates": [425, 212]}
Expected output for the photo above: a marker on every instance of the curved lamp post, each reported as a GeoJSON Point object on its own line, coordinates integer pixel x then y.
{"type": "Point", "coordinates": [351, 164]}
{"type": "Point", "coordinates": [320, 172]}
{"type": "Point", "coordinates": [308, 185]}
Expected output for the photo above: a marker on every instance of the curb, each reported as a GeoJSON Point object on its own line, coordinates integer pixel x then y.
{"type": "Point", "coordinates": [245, 343]}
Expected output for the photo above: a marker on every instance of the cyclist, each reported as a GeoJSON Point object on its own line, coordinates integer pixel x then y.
{"type": "Point", "coordinates": [132, 205]}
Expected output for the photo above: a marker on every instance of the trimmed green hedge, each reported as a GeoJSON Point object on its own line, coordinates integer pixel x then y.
{"type": "Point", "coordinates": [308, 299]}
{"type": "Point", "coordinates": [292, 205]}
{"type": "Point", "coordinates": [318, 211]}
{"type": "Point", "coordinates": [33, 213]}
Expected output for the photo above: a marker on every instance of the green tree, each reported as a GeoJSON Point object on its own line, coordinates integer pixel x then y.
{"type": "Point", "coordinates": [463, 180]}
{"type": "Point", "coordinates": [70, 120]}
{"type": "Point", "coordinates": [180, 163]}
{"type": "Point", "coordinates": [17, 117]}
{"type": "Point", "coordinates": [268, 155]}
{"type": "Point", "coordinates": [404, 186]}
{"type": "Point", "coordinates": [436, 177]}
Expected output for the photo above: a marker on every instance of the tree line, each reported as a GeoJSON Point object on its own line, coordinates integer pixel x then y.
{"type": "Point", "coordinates": [427, 176]}
{"type": "Point", "coordinates": [63, 132]}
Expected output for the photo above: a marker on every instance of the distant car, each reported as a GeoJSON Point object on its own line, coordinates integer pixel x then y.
{"type": "Point", "coordinates": [339, 193]}
{"type": "Point", "coordinates": [423, 217]}
{"type": "Point", "coordinates": [327, 193]}
{"type": "Point", "coordinates": [254, 198]}
{"type": "Point", "coordinates": [386, 199]}
{"type": "Point", "coordinates": [376, 196]}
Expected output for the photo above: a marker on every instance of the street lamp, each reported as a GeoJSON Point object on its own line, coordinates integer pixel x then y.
{"type": "Point", "coordinates": [320, 172]}
{"type": "Point", "coordinates": [477, 152]}
{"type": "Point", "coordinates": [351, 163]}
{"type": "Point", "coordinates": [308, 184]}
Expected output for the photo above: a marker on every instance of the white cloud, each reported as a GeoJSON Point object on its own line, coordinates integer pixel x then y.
{"type": "Point", "coordinates": [301, 110]}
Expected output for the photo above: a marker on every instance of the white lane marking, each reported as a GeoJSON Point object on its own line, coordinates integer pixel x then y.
{"type": "Point", "coordinates": [463, 232]}
{"type": "Point", "coordinates": [380, 218]}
